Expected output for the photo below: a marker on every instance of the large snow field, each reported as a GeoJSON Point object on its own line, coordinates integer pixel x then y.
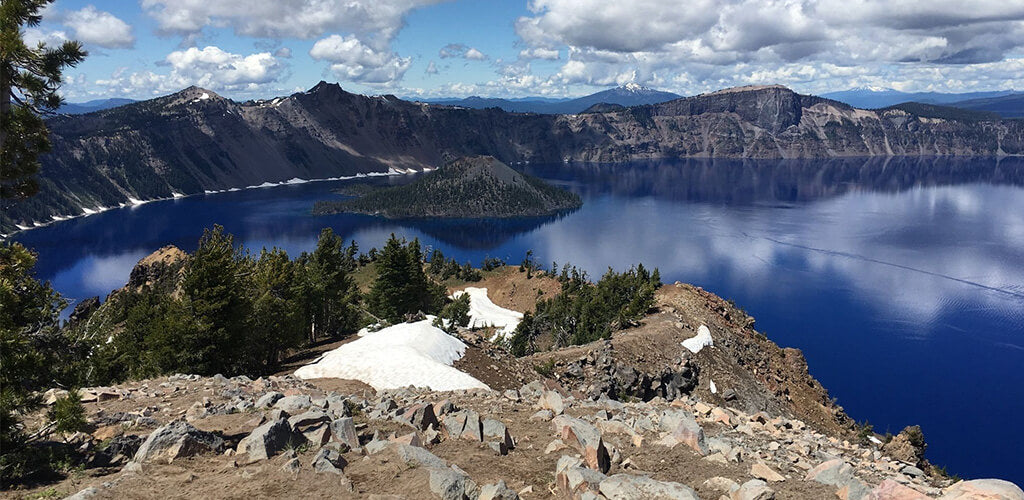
{"type": "Point", "coordinates": [416, 354]}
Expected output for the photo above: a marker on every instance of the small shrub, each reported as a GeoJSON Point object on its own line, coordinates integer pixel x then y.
{"type": "Point", "coordinates": [454, 314]}
{"type": "Point", "coordinates": [545, 369]}
{"type": "Point", "coordinates": [68, 414]}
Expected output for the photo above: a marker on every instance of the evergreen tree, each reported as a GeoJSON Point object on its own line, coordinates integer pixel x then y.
{"type": "Point", "coordinates": [28, 313]}
{"type": "Point", "coordinates": [401, 286]}
{"type": "Point", "coordinates": [213, 288]}
{"type": "Point", "coordinates": [454, 314]}
{"type": "Point", "coordinates": [276, 323]}
{"type": "Point", "coordinates": [29, 80]}
{"type": "Point", "coordinates": [330, 290]}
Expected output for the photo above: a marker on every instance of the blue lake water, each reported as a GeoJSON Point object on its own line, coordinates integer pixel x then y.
{"type": "Point", "coordinates": [901, 280]}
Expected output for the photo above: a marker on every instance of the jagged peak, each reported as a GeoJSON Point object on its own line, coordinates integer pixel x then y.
{"type": "Point", "coordinates": [325, 87]}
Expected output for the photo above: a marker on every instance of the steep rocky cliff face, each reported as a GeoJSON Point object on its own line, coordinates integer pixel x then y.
{"type": "Point", "coordinates": [195, 141]}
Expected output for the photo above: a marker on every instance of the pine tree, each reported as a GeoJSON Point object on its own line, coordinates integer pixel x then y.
{"type": "Point", "coordinates": [29, 80]}
{"type": "Point", "coordinates": [401, 286]}
{"type": "Point", "coordinates": [276, 323]}
{"type": "Point", "coordinates": [213, 289]}
{"type": "Point", "coordinates": [28, 312]}
{"type": "Point", "coordinates": [330, 290]}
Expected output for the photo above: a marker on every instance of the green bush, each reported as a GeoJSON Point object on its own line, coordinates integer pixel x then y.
{"type": "Point", "coordinates": [454, 314]}
{"type": "Point", "coordinates": [584, 312]}
{"type": "Point", "coordinates": [68, 414]}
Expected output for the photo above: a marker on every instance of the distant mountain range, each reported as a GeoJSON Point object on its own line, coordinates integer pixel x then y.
{"type": "Point", "coordinates": [627, 95]}
{"type": "Point", "coordinates": [875, 98]}
{"type": "Point", "coordinates": [80, 108]}
{"type": "Point", "coordinates": [1007, 106]}
{"type": "Point", "coordinates": [195, 141]}
{"type": "Point", "coordinates": [1005, 103]}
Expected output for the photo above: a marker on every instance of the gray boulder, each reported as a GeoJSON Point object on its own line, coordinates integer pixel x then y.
{"type": "Point", "coordinates": [176, 440]}
{"type": "Point", "coordinates": [294, 404]}
{"type": "Point", "coordinates": [308, 419]}
{"type": "Point", "coordinates": [329, 459]}
{"type": "Point", "coordinates": [268, 439]}
{"type": "Point", "coordinates": [497, 431]}
{"type": "Point", "coordinates": [343, 430]}
{"type": "Point", "coordinates": [268, 399]}
{"type": "Point", "coordinates": [449, 484]}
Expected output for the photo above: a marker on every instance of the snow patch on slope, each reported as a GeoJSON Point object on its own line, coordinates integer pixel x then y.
{"type": "Point", "coordinates": [701, 340]}
{"type": "Point", "coordinates": [417, 354]}
{"type": "Point", "coordinates": [483, 313]}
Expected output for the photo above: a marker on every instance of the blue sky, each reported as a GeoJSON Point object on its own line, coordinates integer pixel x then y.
{"type": "Point", "coordinates": [513, 48]}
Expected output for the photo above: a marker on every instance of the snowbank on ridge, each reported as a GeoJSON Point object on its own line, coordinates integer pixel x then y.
{"type": "Point", "coordinates": [701, 340]}
{"type": "Point", "coordinates": [484, 313]}
{"type": "Point", "coordinates": [416, 354]}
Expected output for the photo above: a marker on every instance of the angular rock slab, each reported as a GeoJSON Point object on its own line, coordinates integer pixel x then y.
{"type": "Point", "coordinates": [891, 490]}
{"type": "Point", "coordinates": [630, 487]}
{"type": "Point", "coordinates": [267, 440]}
{"type": "Point", "coordinates": [585, 438]}
{"type": "Point", "coordinates": [988, 489]}
{"type": "Point", "coordinates": [177, 440]}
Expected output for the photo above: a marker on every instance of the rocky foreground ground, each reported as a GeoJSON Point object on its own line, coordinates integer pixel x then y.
{"type": "Point", "coordinates": [187, 436]}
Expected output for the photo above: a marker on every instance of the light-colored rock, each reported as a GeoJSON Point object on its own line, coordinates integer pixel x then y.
{"type": "Point", "coordinates": [177, 440]}
{"type": "Point", "coordinates": [317, 436]}
{"type": "Point", "coordinates": [498, 491]}
{"type": "Point", "coordinates": [542, 415]}
{"type": "Point", "coordinates": [630, 487]}
{"type": "Point", "coordinates": [51, 396]}
{"type": "Point", "coordinates": [420, 416]}
{"type": "Point", "coordinates": [585, 438]}
{"type": "Point", "coordinates": [687, 431]}
{"type": "Point", "coordinates": [721, 484]}
{"type": "Point", "coordinates": [308, 419]}
{"type": "Point", "coordinates": [328, 459]}
{"type": "Point", "coordinates": [90, 492]}
{"type": "Point", "coordinates": [891, 490]}
{"type": "Point", "coordinates": [411, 439]}
{"type": "Point", "coordinates": [986, 489]}
{"type": "Point", "coordinates": [293, 466]}
{"type": "Point", "coordinates": [761, 471]}
{"type": "Point", "coordinates": [755, 489]}
{"type": "Point", "coordinates": [574, 480]}
{"type": "Point", "coordinates": [268, 399]}
{"type": "Point", "coordinates": [834, 472]}
{"type": "Point", "coordinates": [551, 400]}
{"type": "Point", "coordinates": [854, 489]}
{"type": "Point", "coordinates": [416, 456]}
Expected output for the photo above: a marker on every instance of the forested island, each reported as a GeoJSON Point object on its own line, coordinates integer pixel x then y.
{"type": "Point", "coordinates": [470, 187]}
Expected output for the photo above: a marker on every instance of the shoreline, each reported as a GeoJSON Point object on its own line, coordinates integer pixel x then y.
{"type": "Point", "coordinates": [135, 202]}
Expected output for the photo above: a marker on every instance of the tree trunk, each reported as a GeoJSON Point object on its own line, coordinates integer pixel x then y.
{"type": "Point", "coordinates": [5, 105]}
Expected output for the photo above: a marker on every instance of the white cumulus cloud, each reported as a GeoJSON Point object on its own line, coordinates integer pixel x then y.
{"type": "Point", "coordinates": [285, 18]}
{"type": "Point", "coordinates": [353, 60]}
{"type": "Point", "coordinates": [100, 28]}
{"type": "Point", "coordinates": [210, 67]}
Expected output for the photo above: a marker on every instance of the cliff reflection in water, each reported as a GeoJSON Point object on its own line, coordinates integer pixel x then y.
{"type": "Point", "coordinates": [748, 182]}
